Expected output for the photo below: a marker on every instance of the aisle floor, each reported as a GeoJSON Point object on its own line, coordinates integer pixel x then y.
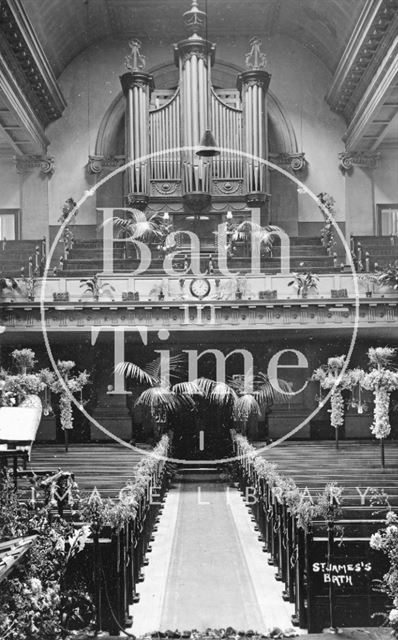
{"type": "Point", "coordinates": [207, 568]}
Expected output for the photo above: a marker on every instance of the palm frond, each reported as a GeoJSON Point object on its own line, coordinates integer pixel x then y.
{"type": "Point", "coordinates": [162, 398]}
{"type": "Point", "coordinates": [188, 388]}
{"type": "Point", "coordinates": [246, 406]}
{"type": "Point", "coordinates": [223, 394]}
{"type": "Point", "coordinates": [244, 383]}
{"type": "Point", "coordinates": [175, 366]}
{"type": "Point", "coordinates": [131, 370]}
{"type": "Point", "coordinates": [264, 234]}
{"type": "Point", "coordinates": [206, 386]}
{"type": "Point", "coordinates": [266, 393]}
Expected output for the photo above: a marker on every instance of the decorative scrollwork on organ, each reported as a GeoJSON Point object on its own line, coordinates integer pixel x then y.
{"type": "Point", "coordinates": [255, 58]}
{"type": "Point", "coordinates": [135, 61]}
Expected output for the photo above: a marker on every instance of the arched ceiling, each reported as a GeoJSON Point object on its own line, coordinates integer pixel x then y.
{"type": "Point", "coordinates": [65, 28]}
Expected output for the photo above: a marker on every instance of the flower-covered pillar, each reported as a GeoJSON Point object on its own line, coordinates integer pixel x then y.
{"type": "Point", "coordinates": [137, 86]}
{"type": "Point", "coordinates": [330, 377]}
{"type": "Point", "coordinates": [382, 381]}
{"type": "Point", "coordinates": [253, 86]}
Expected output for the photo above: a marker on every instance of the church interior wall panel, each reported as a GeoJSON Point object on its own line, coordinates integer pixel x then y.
{"type": "Point", "coordinates": [385, 177]}
{"type": "Point", "coordinates": [359, 187]}
{"type": "Point", "coordinates": [10, 197]}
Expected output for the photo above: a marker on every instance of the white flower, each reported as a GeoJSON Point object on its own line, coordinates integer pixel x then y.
{"type": "Point", "coordinates": [393, 617]}
{"type": "Point", "coordinates": [391, 517]}
{"type": "Point", "coordinates": [376, 541]}
{"type": "Point", "coordinates": [391, 530]}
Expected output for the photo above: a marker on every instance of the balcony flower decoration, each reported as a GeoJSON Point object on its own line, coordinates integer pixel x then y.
{"type": "Point", "coordinates": [382, 381]}
{"type": "Point", "coordinates": [330, 378]}
{"type": "Point", "coordinates": [327, 207]}
{"type": "Point", "coordinates": [386, 540]}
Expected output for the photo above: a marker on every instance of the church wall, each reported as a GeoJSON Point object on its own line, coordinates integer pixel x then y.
{"type": "Point", "coordinates": [10, 185]}
{"type": "Point", "coordinates": [385, 177]}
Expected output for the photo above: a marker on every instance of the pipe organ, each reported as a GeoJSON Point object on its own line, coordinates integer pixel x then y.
{"type": "Point", "coordinates": [169, 128]}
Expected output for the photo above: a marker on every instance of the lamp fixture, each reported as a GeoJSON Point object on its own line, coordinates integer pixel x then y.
{"type": "Point", "coordinates": [208, 146]}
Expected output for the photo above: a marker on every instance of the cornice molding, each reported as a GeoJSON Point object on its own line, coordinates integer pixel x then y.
{"type": "Point", "coordinates": [373, 98]}
{"type": "Point", "coordinates": [191, 316]}
{"type": "Point", "coordinates": [28, 63]}
{"type": "Point", "coordinates": [373, 34]}
{"type": "Point", "coordinates": [34, 139]}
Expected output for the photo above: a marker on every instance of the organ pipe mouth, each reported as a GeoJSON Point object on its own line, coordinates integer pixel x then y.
{"type": "Point", "coordinates": [208, 146]}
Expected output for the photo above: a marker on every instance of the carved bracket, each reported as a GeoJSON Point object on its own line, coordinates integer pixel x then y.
{"type": "Point", "coordinates": [366, 160]}
{"type": "Point", "coordinates": [294, 161]}
{"type": "Point", "coordinates": [28, 163]}
{"type": "Point", "coordinates": [95, 164]}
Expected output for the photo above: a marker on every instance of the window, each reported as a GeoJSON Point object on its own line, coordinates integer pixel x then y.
{"type": "Point", "coordinates": [9, 224]}
{"type": "Point", "coordinates": [388, 219]}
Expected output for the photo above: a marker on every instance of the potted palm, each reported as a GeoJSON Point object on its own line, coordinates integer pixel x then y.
{"type": "Point", "coordinates": [95, 287]}
{"type": "Point", "coordinates": [368, 281]}
{"type": "Point", "coordinates": [304, 281]}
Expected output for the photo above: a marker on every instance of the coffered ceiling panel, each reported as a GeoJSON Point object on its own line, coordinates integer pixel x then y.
{"type": "Point", "coordinates": [66, 27]}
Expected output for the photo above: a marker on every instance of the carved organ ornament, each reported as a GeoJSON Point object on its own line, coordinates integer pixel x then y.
{"type": "Point", "coordinates": [170, 130]}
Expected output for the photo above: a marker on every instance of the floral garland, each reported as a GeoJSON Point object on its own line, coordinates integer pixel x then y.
{"type": "Point", "coordinates": [221, 634]}
{"type": "Point", "coordinates": [382, 382]}
{"type": "Point", "coordinates": [300, 506]}
{"type": "Point", "coordinates": [74, 384]}
{"type": "Point", "coordinates": [327, 206]}
{"type": "Point", "coordinates": [330, 378]}
{"type": "Point", "coordinates": [337, 409]}
{"type": "Point", "coordinates": [386, 540]}
{"type": "Point", "coordinates": [116, 513]}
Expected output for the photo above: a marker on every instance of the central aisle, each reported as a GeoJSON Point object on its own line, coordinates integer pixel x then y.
{"type": "Point", "coordinates": [207, 568]}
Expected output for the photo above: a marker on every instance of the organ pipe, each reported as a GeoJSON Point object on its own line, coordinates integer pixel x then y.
{"type": "Point", "coordinates": [253, 86]}
{"type": "Point", "coordinates": [137, 86]}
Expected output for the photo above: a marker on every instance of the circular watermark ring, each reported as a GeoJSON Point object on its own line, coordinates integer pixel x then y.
{"type": "Point", "coordinates": [89, 193]}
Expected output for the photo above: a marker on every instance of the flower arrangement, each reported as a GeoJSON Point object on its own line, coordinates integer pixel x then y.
{"type": "Point", "coordinates": [382, 381]}
{"type": "Point", "coordinates": [24, 359]}
{"type": "Point", "coordinates": [327, 207]}
{"type": "Point", "coordinates": [40, 597]}
{"type": "Point", "coordinates": [386, 540]}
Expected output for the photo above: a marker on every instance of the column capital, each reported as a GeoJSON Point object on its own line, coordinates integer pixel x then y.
{"type": "Point", "coordinates": [363, 159]}
{"type": "Point", "coordinates": [46, 164]}
{"type": "Point", "coordinates": [294, 161]}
